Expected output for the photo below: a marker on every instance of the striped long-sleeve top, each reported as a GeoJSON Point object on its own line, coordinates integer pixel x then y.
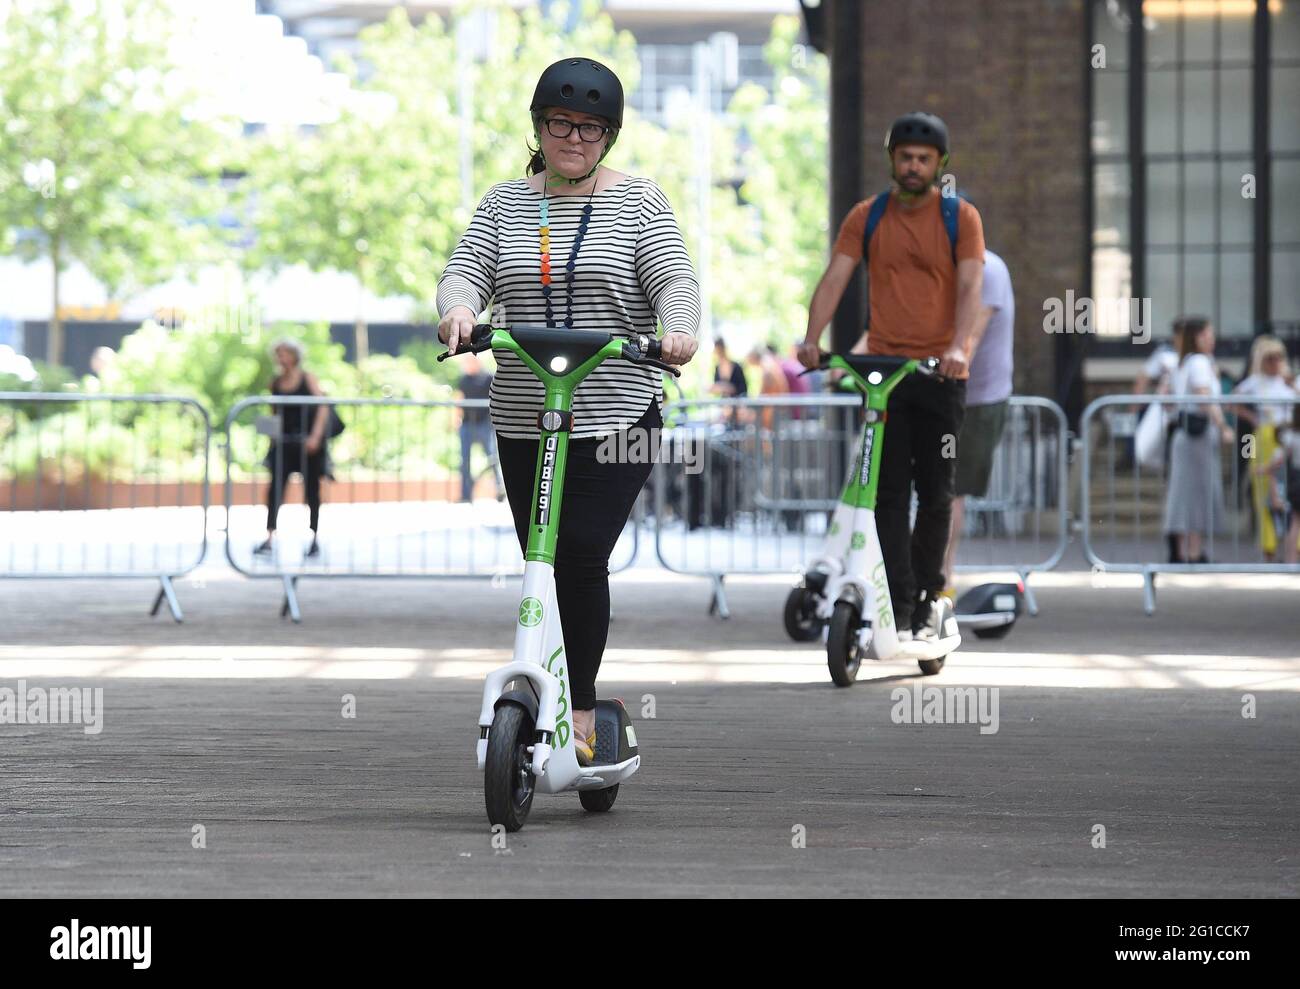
{"type": "Point", "coordinates": [632, 271]}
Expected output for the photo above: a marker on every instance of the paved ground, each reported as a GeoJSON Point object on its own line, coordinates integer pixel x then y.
{"type": "Point", "coordinates": [233, 721]}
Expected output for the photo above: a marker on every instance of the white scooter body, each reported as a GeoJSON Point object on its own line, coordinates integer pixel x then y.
{"type": "Point", "coordinates": [539, 657]}
{"type": "Point", "coordinates": [864, 581]}
{"type": "Point", "coordinates": [855, 569]}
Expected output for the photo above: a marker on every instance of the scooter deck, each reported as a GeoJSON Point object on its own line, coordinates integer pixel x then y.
{"type": "Point", "coordinates": [936, 649]}
{"type": "Point", "coordinates": [599, 777]}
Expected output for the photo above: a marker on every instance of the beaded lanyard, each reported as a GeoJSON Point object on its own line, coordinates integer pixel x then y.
{"type": "Point", "coordinates": [544, 231]}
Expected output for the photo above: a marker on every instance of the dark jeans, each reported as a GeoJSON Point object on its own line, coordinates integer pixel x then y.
{"type": "Point", "coordinates": [291, 457]}
{"type": "Point", "coordinates": [923, 413]}
{"type": "Point", "coordinates": [598, 498]}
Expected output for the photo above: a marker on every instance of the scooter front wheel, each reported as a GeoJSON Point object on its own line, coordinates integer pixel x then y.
{"type": "Point", "coordinates": [508, 783]}
{"type": "Point", "coordinates": [598, 801]}
{"type": "Point", "coordinates": [801, 621]}
{"type": "Point", "coordinates": [843, 657]}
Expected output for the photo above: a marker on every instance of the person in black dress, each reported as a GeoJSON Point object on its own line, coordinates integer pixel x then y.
{"type": "Point", "coordinates": [301, 445]}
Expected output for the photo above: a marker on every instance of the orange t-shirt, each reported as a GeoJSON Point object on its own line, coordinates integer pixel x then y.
{"type": "Point", "coordinates": [913, 279]}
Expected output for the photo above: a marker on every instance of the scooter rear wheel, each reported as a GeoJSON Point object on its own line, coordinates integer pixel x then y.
{"type": "Point", "coordinates": [842, 654]}
{"type": "Point", "coordinates": [508, 783]}
{"type": "Point", "coordinates": [801, 621]}
{"type": "Point", "coordinates": [996, 632]}
{"type": "Point", "coordinates": [931, 666]}
{"type": "Point", "coordinates": [598, 801]}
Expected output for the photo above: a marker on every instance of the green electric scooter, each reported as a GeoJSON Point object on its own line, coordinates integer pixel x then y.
{"type": "Point", "coordinates": [525, 722]}
{"type": "Point", "coordinates": [846, 589]}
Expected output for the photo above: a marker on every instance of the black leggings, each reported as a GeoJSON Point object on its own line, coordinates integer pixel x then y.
{"type": "Point", "coordinates": [290, 458]}
{"type": "Point", "coordinates": [925, 417]}
{"type": "Point", "coordinates": [598, 498]}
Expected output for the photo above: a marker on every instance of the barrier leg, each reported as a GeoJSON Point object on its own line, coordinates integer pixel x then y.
{"type": "Point", "coordinates": [718, 603]}
{"type": "Point", "coordinates": [1149, 591]}
{"type": "Point", "coordinates": [166, 591]}
{"type": "Point", "coordinates": [1031, 603]}
{"type": "Point", "coordinates": [290, 606]}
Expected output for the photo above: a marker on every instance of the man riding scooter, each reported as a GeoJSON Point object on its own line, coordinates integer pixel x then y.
{"type": "Point", "coordinates": [925, 264]}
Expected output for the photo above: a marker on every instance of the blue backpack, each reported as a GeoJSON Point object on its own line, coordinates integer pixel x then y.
{"type": "Point", "coordinates": [949, 208]}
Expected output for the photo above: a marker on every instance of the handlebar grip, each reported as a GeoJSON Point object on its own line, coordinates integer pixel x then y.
{"type": "Point", "coordinates": [480, 339]}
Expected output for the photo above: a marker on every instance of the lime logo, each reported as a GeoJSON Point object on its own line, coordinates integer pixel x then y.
{"type": "Point", "coordinates": [530, 612]}
{"type": "Point", "coordinates": [859, 540]}
{"type": "Point", "coordinates": [835, 528]}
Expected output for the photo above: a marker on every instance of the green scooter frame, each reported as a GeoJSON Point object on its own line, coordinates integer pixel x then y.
{"type": "Point", "coordinates": [846, 590]}
{"type": "Point", "coordinates": [525, 739]}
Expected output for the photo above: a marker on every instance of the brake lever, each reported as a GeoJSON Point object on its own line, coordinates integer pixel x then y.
{"type": "Point", "coordinates": [661, 365]}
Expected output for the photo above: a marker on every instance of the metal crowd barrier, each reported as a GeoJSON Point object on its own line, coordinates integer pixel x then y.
{"type": "Point", "coordinates": [1124, 503]}
{"type": "Point", "coordinates": [103, 486]}
{"type": "Point", "coordinates": [747, 486]}
{"type": "Point", "coordinates": [1021, 523]}
{"type": "Point", "coordinates": [393, 508]}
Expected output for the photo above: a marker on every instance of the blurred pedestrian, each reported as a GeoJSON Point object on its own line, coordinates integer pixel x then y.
{"type": "Point", "coordinates": [475, 425]}
{"type": "Point", "coordinates": [301, 446]}
{"type": "Point", "coordinates": [1194, 503]}
{"type": "Point", "coordinates": [988, 393]}
{"type": "Point", "coordinates": [1267, 377]}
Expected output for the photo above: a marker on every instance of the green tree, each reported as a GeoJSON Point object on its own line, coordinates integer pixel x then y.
{"type": "Point", "coordinates": [99, 162]}
{"type": "Point", "coordinates": [777, 253]}
{"type": "Point", "coordinates": [371, 192]}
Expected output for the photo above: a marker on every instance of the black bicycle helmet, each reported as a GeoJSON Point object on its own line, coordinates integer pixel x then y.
{"type": "Point", "coordinates": [585, 86]}
{"type": "Point", "coordinates": [582, 85]}
{"type": "Point", "coordinates": [918, 127]}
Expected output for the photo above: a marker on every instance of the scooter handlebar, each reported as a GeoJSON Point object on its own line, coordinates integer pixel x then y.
{"type": "Point", "coordinates": [480, 339]}
{"type": "Point", "coordinates": [645, 349]}
{"type": "Point", "coordinates": [924, 365]}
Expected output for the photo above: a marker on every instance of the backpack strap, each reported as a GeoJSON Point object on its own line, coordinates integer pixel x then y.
{"type": "Point", "coordinates": [874, 215]}
{"type": "Point", "coordinates": [950, 208]}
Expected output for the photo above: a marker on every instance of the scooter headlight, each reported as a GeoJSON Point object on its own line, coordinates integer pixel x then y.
{"type": "Point", "coordinates": [558, 364]}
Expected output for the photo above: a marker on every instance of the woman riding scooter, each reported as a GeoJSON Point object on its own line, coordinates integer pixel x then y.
{"type": "Point", "coordinates": [577, 245]}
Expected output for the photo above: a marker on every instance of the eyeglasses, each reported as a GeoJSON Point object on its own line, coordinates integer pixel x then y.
{"type": "Point", "coordinates": [591, 133]}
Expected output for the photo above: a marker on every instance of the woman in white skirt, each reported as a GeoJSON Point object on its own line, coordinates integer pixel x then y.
{"type": "Point", "coordinates": [1194, 505]}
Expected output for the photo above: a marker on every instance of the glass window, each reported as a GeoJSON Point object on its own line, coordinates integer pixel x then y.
{"type": "Point", "coordinates": [1163, 187]}
{"type": "Point", "coordinates": [1201, 284]}
{"type": "Point", "coordinates": [1162, 287]}
{"type": "Point", "coordinates": [1284, 30]}
{"type": "Point", "coordinates": [1198, 110]}
{"type": "Point", "coordinates": [1110, 111]}
{"type": "Point", "coordinates": [1161, 41]}
{"type": "Point", "coordinates": [1198, 38]}
{"type": "Point", "coordinates": [1237, 38]}
{"type": "Point", "coordinates": [1110, 27]}
{"type": "Point", "coordinates": [1110, 204]}
{"type": "Point", "coordinates": [1236, 293]}
{"type": "Point", "coordinates": [1235, 109]}
{"type": "Point", "coordinates": [1236, 212]}
{"type": "Point", "coordinates": [1161, 112]}
{"type": "Point", "coordinates": [1286, 286]}
{"type": "Point", "coordinates": [1285, 201]}
{"type": "Point", "coordinates": [1200, 202]}
{"type": "Point", "coordinates": [1284, 115]}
